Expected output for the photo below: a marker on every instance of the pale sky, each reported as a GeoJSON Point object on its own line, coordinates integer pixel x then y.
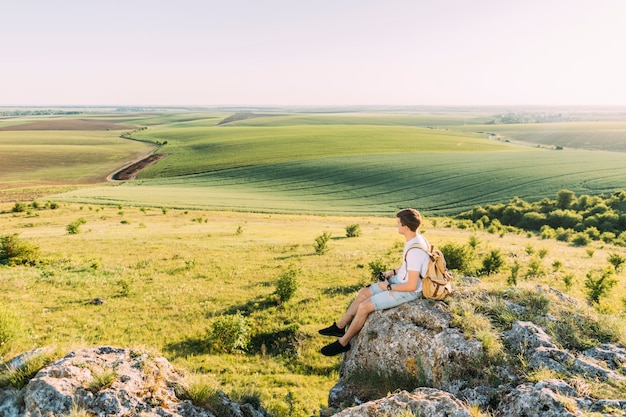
{"type": "Point", "coordinates": [315, 52]}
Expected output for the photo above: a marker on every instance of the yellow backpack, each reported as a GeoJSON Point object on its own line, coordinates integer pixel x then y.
{"type": "Point", "coordinates": [437, 284]}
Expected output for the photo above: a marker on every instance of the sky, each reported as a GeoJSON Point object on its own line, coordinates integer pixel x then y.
{"type": "Point", "coordinates": [315, 52]}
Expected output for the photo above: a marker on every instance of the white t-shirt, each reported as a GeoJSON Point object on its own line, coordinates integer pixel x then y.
{"type": "Point", "coordinates": [416, 260]}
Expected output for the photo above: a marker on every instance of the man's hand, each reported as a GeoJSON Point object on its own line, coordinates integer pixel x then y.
{"type": "Point", "coordinates": [383, 285]}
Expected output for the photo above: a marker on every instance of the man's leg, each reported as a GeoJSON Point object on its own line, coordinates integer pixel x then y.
{"type": "Point", "coordinates": [362, 295]}
{"type": "Point", "coordinates": [341, 345]}
{"type": "Point", "coordinates": [363, 311]}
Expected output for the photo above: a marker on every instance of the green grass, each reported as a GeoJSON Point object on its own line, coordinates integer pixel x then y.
{"type": "Point", "coordinates": [167, 277]}
{"type": "Point", "coordinates": [436, 183]}
{"type": "Point", "coordinates": [63, 157]}
{"type": "Point", "coordinates": [607, 135]}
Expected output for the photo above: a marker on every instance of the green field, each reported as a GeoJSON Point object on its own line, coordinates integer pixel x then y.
{"type": "Point", "coordinates": [363, 162]}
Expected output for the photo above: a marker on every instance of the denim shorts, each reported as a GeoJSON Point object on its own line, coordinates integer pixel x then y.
{"type": "Point", "coordinates": [383, 299]}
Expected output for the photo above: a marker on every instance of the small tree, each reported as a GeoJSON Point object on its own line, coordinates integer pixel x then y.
{"type": "Point", "coordinates": [512, 279]}
{"type": "Point", "coordinates": [599, 287]}
{"type": "Point", "coordinates": [321, 243]}
{"type": "Point", "coordinates": [230, 333]}
{"type": "Point", "coordinates": [377, 266]}
{"type": "Point", "coordinates": [616, 260]}
{"type": "Point", "coordinates": [492, 262]}
{"type": "Point", "coordinates": [74, 227]}
{"type": "Point", "coordinates": [287, 285]}
{"type": "Point", "coordinates": [459, 257]}
{"type": "Point", "coordinates": [353, 230]}
{"type": "Point", "coordinates": [15, 251]}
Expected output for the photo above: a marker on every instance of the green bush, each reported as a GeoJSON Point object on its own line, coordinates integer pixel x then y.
{"type": "Point", "coordinates": [492, 262]}
{"type": "Point", "coordinates": [458, 257]}
{"type": "Point", "coordinates": [230, 333]}
{"type": "Point", "coordinates": [616, 260]}
{"type": "Point", "coordinates": [599, 287]}
{"type": "Point", "coordinates": [353, 230]}
{"type": "Point", "coordinates": [287, 285]}
{"type": "Point", "coordinates": [15, 251]}
{"type": "Point", "coordinates": [377, 266]}
{"type": "Point", "coordinates": [19, 207]}
{"type": "Point", "coordinates": [74, 227]}
{"type": "Point", "coordinates": [321, 243]}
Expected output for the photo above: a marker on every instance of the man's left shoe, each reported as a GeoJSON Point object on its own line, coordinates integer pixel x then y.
{"type": "Point", "coordinates": [335, 348]}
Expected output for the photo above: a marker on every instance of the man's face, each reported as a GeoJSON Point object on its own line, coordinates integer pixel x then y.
{"type": "Point", "coordinates": [400, 226]}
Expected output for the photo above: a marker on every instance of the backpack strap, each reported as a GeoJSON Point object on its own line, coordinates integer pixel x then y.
{"type": "Point", "coordinates": [423, 247]}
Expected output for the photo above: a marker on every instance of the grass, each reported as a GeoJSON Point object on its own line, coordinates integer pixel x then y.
{"type": "Point", "coordinates": [172, 254]}
{"type": "Point", "coordinates": [438, 183]}
{"type": "Point", "coordinates": [162, 269]}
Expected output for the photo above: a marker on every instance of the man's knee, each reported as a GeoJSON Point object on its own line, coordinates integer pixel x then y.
{"type": "Point", "coordinates": [364, 293]}
{"type": "Point", "coordinates": [365, 308]}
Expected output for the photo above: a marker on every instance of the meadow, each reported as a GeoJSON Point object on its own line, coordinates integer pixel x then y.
{"type": "Point", "coordinates": [161, 278]}
{"type": "Point", "coordinates": [208, 231]}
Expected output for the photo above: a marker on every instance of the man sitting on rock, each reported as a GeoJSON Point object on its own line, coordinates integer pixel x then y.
{"type": "Point", "coordinates": [399, 286]}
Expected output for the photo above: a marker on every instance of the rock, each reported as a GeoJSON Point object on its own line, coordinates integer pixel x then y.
{"type": "Point", "coordinates": [412, 339]}
{"type": "Point", "coordinates": [421, 402]}
{"type": "Point", "coordinates": [555, 398]}
{"type": "Point", "coordinates": [526, 336]}
{"type": "Point", "coordinates": [110, 381]}
{"type": "Point", "coordinates": [613, 356]}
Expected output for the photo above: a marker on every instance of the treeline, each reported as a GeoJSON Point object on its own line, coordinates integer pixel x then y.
{"type": "Point", "coordinates": [568, 218]}
{"type": "Point", "coordinates": [524, 117]}
{"type": "Point", "coordinates": [39, 112]}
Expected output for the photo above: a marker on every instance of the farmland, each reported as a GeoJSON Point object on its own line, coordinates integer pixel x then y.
{"type": "Point", "coordinates": [362, 163]}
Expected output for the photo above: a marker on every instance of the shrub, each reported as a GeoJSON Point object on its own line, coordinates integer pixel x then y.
{"type": "Point", "coordinates": [230, 333]}
{"type": "Point", "coordinates": [15, 251]}
{"type": "Point", "coordinates": [580, 239]}
{"type": "Point", "coordinates": [616, 260]}
{"type": "Point", "coordinates": [492, 262]}
{"type": "Point", "coordinates": [321, 243]}
{"type": "Point", "coordinates": [287, 285]}
{"type": "Point", "coordinates": [74, 227]}
{"type": "Point", "coordinates": [563, 235]}
{"type": "Point", "coordinates": [535, 269]}
{"type": "Point", "coordinates": [19, 207]}
{"type": "Point", "coordinates": [512, 279]}
{"type": "Point", "coordinates": [353, 230]}
{"type": "Point", "coordinates": [568, 280]}
{"type": "Point", "coordinates": [377, 266]}
{"type": "Point", "coordinates": [458, 257]}
{"type": "Point", "coordinates": [599, 287]}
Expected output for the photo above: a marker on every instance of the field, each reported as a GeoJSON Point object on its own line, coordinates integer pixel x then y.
{"type": "Point", "coordinates": [166, 276]}
{"type": "Point", "coordinates": [239, 200]}
{"type": "Point", "coordinates": [362, 163]}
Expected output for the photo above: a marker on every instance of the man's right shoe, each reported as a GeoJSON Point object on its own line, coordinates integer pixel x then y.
{"type": "Point", "coordinates": [332, 331]}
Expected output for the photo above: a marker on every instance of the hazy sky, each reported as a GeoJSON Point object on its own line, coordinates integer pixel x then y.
{"type": "Point", "coordinates": [315, 52]}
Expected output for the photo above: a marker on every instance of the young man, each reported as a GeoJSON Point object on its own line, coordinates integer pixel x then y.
{"type": "Point", "coordinates": [400, 286]}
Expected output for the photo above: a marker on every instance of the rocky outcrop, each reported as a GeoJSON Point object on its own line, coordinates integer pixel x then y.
{"type": "Point", "coordinates": [421, 402]}
{"type": "Point", "coordinates": [413, 340]}
{"type": "Point", "coordinates": [417, 338]}
{"type": "Point", "coordinates": [109, 381]}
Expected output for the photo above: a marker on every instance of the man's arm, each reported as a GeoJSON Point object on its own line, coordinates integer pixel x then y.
{"type": "Point", "coordinates": [410, 285]}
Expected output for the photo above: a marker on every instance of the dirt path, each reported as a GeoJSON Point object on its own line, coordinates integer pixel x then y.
{"type": "Point", "coordinates": [130, 171]}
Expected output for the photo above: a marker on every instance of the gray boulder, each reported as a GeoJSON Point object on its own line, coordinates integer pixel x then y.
{"type": "Point", "coordinates": [421, 402]}
{"type": "Point", "coordinates": [412, 339]}
{"type": "Point", "coordinates": [110, 381]}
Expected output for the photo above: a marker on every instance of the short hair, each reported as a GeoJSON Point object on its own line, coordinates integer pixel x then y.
{"type": "Point", "coordinates": [410, 218]}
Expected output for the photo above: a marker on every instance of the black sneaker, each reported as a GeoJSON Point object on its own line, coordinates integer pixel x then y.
{"type": "Point", "coordinates": [332, 331]}
{"type": "Point", "coordinates": [334, 348]}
